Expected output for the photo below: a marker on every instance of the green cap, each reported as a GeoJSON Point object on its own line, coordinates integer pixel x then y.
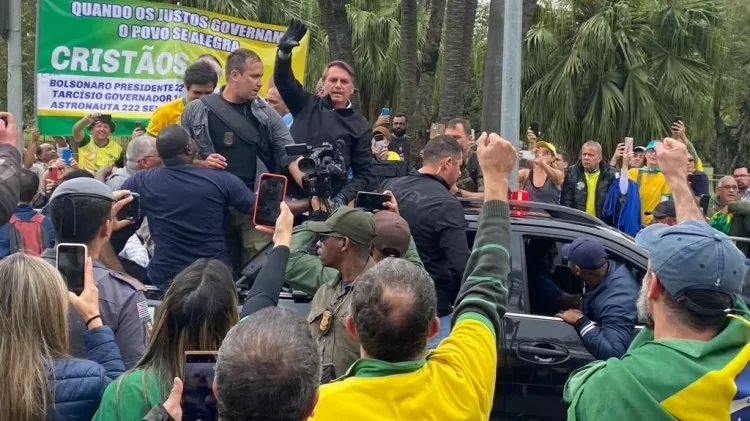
{"type": "Point", "coordinates": [347, 222]}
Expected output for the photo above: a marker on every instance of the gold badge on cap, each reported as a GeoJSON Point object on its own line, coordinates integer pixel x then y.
{"type": "Point", "coordinates": [325, 321]}
{"type": "Point", "coordinates": [228, 139]}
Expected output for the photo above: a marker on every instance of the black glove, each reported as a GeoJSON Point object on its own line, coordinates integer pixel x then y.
{"type": "Point", "coordinates": [293, 35]}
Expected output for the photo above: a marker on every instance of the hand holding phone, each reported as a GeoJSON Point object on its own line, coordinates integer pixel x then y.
{"type": "Point", "coordinates": [86, 302]}
{"type": "Point", "coordinates": [198, 400]}
{"type": "Point", "coordinates": [386, 112]}
{"type": "Point", "coordinates": [534, 127]}
{"type": "Point", "coordinates": [370, 202]}
{"type": "Point", "coordinates": [271, 192]}
{"type": "Point", "coordinates": [71, 263]}
{"type": "Point", "coordinates": [54, 174]}
{"type": "Point", "coordinates": [131, 211]}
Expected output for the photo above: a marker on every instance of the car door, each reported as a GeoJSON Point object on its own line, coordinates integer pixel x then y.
{"type": "Point", "coordinates": [541, 351]}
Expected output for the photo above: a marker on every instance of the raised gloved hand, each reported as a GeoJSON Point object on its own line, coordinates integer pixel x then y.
{"type": "Point", "coordinates": [292, 37]}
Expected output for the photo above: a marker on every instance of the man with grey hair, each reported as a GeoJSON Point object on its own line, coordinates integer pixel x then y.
{"type": "Point", "coordinates": [587, 182]}
{"type": "Point", "coordinates": [141, 155]}
{"type": "Point", "coordinates": [268, 368]}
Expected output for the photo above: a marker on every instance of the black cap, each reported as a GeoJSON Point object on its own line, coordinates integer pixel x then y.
{"type": "Point", "coordinates": [664, 210]}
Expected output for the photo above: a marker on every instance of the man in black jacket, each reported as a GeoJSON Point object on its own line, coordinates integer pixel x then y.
{"type": "Point", "coordinates": [590, 176]}
{"type": "Point", "coordinates": [329, 118]}
{"type": "Point", "coordinates": [10, 167]}
{"type": "Point", "coordinates": [436, 221]}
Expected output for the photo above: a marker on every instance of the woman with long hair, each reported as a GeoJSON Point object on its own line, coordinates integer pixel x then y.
{"type": "Point", "coordinates": [198, 310]}
{"type": "Point", "coordinates": [39, 380]}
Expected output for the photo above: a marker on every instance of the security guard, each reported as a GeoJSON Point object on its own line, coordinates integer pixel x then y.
{"type": "Point", "coordinates": [81, 213]}
{"type": "Point", "coordinates": [344, 244]}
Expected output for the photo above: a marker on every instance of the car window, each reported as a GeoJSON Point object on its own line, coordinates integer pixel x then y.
{"type": "Point", "coordinates": [550, 284]}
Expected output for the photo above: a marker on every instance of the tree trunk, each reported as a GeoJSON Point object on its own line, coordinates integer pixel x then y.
{"type": "Point", "coordinates": [430, 57]}
{"type": "Point", "coordinates": [334, 21]}
{"type": "Point", "coordinates": [450, 87]}
{"type": "Point", "coordinates": [408, 96]}
{"type": "Point", "coordinates": [466, 52]}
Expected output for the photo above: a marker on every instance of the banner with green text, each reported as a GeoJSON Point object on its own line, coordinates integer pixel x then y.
{"type": "Point", "coordinates": [127, 58]}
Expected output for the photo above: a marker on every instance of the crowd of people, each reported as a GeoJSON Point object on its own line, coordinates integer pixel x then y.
{"type": "Point", "coordinates": [405, 318]}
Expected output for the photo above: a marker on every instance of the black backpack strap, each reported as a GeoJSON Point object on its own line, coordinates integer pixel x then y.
{"type": "Point", "coordinates": [239, 124]}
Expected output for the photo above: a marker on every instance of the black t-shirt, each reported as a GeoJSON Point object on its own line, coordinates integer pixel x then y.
{"type": "Point", "coordinates": [240, 156]}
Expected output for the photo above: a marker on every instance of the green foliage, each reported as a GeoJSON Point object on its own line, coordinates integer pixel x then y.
{"type": "Point", "coordinates": [605, 69]}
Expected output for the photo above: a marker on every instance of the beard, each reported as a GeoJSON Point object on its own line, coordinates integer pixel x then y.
{"type": "Point", "coordinates": [643, 305]}
{"type": "Point", "coordinates": [399, 132]}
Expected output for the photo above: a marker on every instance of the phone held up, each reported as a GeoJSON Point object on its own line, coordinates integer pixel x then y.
{"type": "Point", "coordinates": [71, 263]}
{"type": "Point", "coordinates": [370, 202]}
{"type": "Point", "coordinates": [54, 173]}
{"type": "Point", "coordinates": [386, 112]}
{"type": "Point", "coordinates": [535, 128]}
{"type": "Point", "coordinates": [198, 400]}
{"type": "Point", "coordinates": [131, 211]}
{"type": "Point", "coordinates": [271, 192]}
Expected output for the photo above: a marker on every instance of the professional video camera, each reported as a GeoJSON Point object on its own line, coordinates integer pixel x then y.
{"type": "Point", "coordinates": [323, 168]}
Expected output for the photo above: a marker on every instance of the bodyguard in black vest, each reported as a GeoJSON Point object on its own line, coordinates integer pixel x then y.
{"type": "Point", "coordinates": [235, 128]}
{"type": "Point", "coordinates": [328, 118]}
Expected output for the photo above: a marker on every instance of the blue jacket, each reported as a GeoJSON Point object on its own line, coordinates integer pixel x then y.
{"type": "Point", "coordinates": [626, 215]}
{"type": "Point", "coordinates": [25, 213]}
{"type": "Point", "coordinates": [79, 384]}
{"type": "Point", "coordinates": [609, 309]}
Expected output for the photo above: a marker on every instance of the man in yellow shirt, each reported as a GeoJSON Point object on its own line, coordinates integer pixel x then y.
{"type": "Point", "coordinates": [652, 185]}
{"type": "Point", "coordinates": [96, 150]}
{"type": "Point", "coordinates": [200, 79]}
{"type": "Point", "coordinates": [393, 313]}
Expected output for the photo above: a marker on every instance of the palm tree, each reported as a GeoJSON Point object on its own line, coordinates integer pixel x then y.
{"type": "Point", "coordinates": [409, 64]}
{"type": "Point", "coordinates": [453, 58]}
{"type": "Point", "coordinates": [603, 70]}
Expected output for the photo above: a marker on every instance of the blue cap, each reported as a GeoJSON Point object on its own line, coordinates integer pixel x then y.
{"type": "Point", "coordinates": [651, 145]}
{"type": "Point", "coordinates": [586, 253]}
{"type": "Point", "coordinates": [693, 256]}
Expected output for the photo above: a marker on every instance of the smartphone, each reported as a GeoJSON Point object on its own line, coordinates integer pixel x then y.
{"type": "Point", "coordinates": [71, 263]}
{"type": "Point", "coordinates": [386, 111]}
{"type": "Point", "coordinates": [676, 118]}
{"type": "Point", "coordinates": [198, 400]}
{"type": "Point", "coordinates": [527, 155]}
{"type": "Point", "coordinates": [131, 211]}
{"type": "Point", "coordinates": [54, 173]}
{"type": "Point", "coordinates": [535, 128]}
{"type": "Point", "coordinates": [271, 192]}
{"type": "Point", "coordinates": [67, 155]}
{"type": "Point", "coordinates": [139, 125]}
{"type": "Point", "coordinates": [628, 145]}
{"type": "Point", "coordinates": [371, 201]}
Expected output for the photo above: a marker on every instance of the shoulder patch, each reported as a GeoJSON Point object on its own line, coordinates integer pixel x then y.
{"type": "Point", "coordinates": [143, 310]}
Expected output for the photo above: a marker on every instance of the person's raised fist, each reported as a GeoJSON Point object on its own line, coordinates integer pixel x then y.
{"type": "Point", "coordinates": [8, 130]}
{"type": "Point", "coordinates": [673, 158]}
{"type": "Point", "coordinates": [497, 157]}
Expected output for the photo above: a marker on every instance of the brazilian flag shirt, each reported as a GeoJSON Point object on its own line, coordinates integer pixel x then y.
{"type": "Point", "coordinates": [671, 380]}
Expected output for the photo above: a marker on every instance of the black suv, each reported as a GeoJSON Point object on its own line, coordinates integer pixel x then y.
{"type": "Point", "coordinates": [538, 353]}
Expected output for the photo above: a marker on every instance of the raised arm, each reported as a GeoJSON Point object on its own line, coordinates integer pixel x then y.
{"type": "Point", "coordinates": [10, 167]}
{"type": "Point", "coordinates": [294, 95]}
{"type": "Point", "coordinates": [673, 159]}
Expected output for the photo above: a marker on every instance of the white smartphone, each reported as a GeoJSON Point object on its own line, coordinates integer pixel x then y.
{"type": "Point", "coordinates": [527, 155]}
{"type": "Point", "coordinates": [628, 145]}
{"type": "Point", "coordinates": [71, 263]}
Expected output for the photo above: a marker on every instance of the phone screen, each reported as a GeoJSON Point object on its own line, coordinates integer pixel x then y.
{"type": "Point", "coordinates": [371, 201]}
{"type": "Point", "coordinates": [54, 173]}
{"type": "Point", "coordinates": [270, 194]}
{"type": "Point", "coordinates": [198, 400]}
{"type": "Point", "coordinates": [386, 111]}
{"type": "Point", "coordinates": [71, 263]}
{"type": "Point", "coordinates": [138, 125]}
{"type": "Point", "coordinates": [535, 128]}
{"type": "Point", "coordinates": [131, 211]}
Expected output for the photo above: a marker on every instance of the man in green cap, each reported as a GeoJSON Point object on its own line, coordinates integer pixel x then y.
{"type": "Point", "coordinates": [344, 244]}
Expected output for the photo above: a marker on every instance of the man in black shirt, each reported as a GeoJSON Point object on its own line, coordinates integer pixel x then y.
{"type": "Point", "coordinates": [400, 141]}
{"type": "Point", "coordinates": [321, 119]}
{"type": "Point", "coordinates": [258, 133]}
{"type": "Point", "coordinates": [436, 220]}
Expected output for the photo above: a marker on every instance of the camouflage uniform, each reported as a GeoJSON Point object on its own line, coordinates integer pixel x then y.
{"type": "Point", "coordinates": [466, 182]}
